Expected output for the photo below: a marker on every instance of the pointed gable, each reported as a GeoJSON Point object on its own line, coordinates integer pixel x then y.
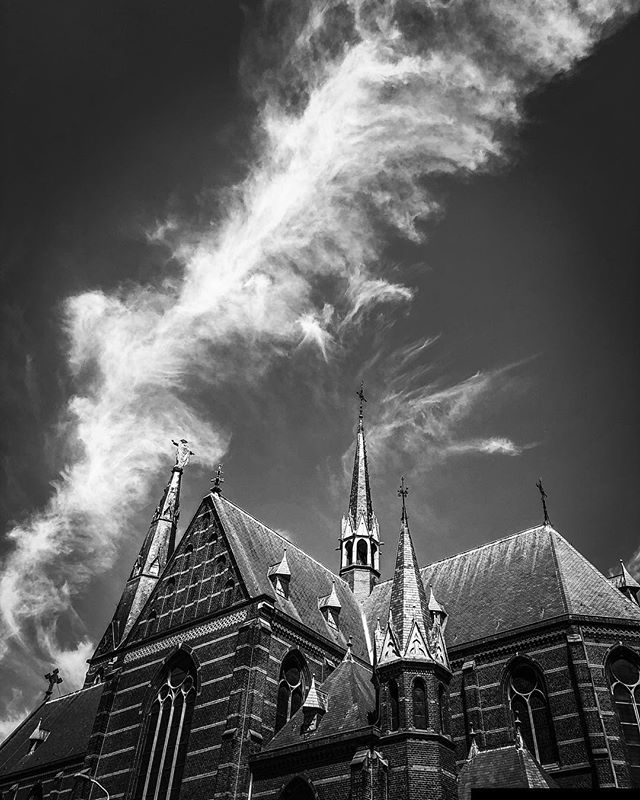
{"type": "Point", "coordinates": [408, 600]}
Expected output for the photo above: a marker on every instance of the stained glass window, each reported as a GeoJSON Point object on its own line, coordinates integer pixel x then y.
{"type": "Point", "coordinates": [528, 701]}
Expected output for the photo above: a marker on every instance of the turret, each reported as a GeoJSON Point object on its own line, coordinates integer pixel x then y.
{"type": "Point", "coordinates": [154, 554]}
{"type": "Point", "coordinates": [360, 537]}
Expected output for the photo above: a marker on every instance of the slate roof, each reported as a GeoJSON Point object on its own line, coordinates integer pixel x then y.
{"type": "Point", "coordinates": [68, 718]}
{"type": "Point", "coordinates": [256, 547]}
{"type": "Point", "coordinates": [528, 577]}
{"type": "Point", "coordinates": [508, 767]}
{"type": "Point", "coordinates": [350, 696]}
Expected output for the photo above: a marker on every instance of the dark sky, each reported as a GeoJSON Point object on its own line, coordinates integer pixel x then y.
{"type": "Point", "coordinates": [118, 115]}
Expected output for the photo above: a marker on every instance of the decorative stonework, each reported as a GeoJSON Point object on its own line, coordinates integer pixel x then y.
{"type": "Point", "coordinates": [192, 633]}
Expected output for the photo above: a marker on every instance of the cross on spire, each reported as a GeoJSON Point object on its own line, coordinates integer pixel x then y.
{"type": "Point", "coordinates": [403, 491]}
{"type": "Point", "coordinates": [543, 497]}
{"type": "Point", "coordinates": [363, 399]}
{"type": "Point", "coordinates": [54, 679]}
{"type": "Point", "coordinates": [217, 481]}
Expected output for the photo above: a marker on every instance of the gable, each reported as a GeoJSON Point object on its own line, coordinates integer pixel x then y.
{"type": "Point", "coordinates": [200, 578]}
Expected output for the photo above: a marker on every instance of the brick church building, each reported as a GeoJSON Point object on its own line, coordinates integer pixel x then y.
{"type": "Point", "coordinates": [237, 666]}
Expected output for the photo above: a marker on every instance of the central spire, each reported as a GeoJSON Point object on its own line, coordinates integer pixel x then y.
{"type": "Point", "coordinates": [360, 540]}
{"type": "Point", "coordinates": [360, 498]}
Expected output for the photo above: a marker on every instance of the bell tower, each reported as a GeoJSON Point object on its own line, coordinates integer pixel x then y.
{"type": "Point", "coordinates": [360, 536]}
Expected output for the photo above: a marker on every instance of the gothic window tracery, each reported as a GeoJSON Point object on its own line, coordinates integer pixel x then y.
{"type": "Point", "coordinates": [528, 700]}
{"type": "Point", "coordinates": [623, 670]}
{"type": "Point", "coordinates": [291, 688]}
{"type": "Point", "coordinates": [420, 715]}
{"type": "Point", "coordinates": [167, 731]}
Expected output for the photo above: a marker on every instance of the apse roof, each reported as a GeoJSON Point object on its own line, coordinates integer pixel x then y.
{"type": "Point", "coordinates": [64, 741]}
{"type": "Point", "coordinates": [350, 698]}
{"type": "Point", "coordinates": [528, 577]}
{"type": "Point", "coordinates": [256, 548]}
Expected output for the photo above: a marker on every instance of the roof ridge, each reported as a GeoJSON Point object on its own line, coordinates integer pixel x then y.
{"type": "Point", "coordinates": [68, 694]}
{"type": "Point", "coordinates": [475, 549]}
{"type": "Point", "coordinates": [284, 538]}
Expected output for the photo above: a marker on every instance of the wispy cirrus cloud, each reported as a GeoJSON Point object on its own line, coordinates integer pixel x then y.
{"type": "Point", "coordinates": [360, 105]}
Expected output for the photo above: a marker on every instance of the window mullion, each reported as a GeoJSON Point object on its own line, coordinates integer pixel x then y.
{"type": "Point", "coordinates": [164, 746]}
{"type": "Point", "coordinates": [177, 747]}
{"type": "Point", "coordinates": [153, 749]}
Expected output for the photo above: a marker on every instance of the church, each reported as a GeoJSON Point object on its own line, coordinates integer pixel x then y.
{"type": "Point", "coordinates": [238, 667]}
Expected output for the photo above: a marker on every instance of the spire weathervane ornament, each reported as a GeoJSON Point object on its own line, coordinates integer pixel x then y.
{"type": "Point", "coordinates": [54, 679]}
{"type": "Point", "coordinates": [543, 497]}
{"type": "Point", "coordinates": [363, 399]}
{"type": "Point", "coordinates": [183, 454]}
{"type": "Point", "coordinates": [403, 491]}
{"type": "Point", "coordinates": [217, 481]}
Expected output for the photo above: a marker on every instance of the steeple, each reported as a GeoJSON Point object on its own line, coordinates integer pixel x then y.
{"type": "Point", "coordinates": [156, 550]}
{"type": "Point", "coordinates": [415, 626]}
{"type": "Point", "coordinates": [360, 538]}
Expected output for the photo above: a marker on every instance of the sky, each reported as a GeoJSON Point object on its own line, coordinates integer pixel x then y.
{"type": "Point", "coordinates": [218, 218]}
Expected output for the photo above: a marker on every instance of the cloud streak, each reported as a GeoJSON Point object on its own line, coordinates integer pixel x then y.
{"type": "Point", "coordinates": [360, 103]}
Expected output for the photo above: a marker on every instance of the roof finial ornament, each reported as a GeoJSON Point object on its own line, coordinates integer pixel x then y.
{"type": "Point", "coordinates": [543, 497]}
{"type": "Point", "coordinates": [403, 491]}
{"type": "Point", "coordinates": [183, 453]}
{"type": "Point", "coordinates": [217, 482]}
{"type": "Point", "coordinates": [363, 399]}
{"type": "Point", "coordinates": [348, 656]}
{"type": "Point", "coordinates": [473, 749]}
{"type": "Point", "coordinates": [519, 739]}
{"type": "Point", "coordinates": [54, 679]}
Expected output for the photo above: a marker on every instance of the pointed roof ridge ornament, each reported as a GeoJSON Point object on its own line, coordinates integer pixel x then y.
{"type": "Point", "coordinates": [473, 748]}
{"type": "Point", "coordinates": [315, 699]}
{"type": "Point", "coordinates": [433, 605]}
{"type": "Point", "coordinates": [217, 481]}
{"type": "Point", "coordinates": [54, 679]}
{"type": "Point", "coordinates": [281, 569]}
{"type": "Point", "coordinates": [403, 491]}
{"type": "Point", "coordinates": [543, 497]}
{"type": "Point", "coordinates": [348, 656]}
{"type": "Point", "coordinates": [362, 398]}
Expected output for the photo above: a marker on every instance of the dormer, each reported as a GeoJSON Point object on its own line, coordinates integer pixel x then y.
{"type": "Point", "coordinates": [37, 737]}
{"type": "Point", "coordinates": [280, 576]}
{"type": "Point", "coordinates": [314, 707]}
{"type": "Point", "coordinates": [330, 608]}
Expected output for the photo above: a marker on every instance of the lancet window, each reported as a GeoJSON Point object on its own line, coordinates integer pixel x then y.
{"type": "Point", "coordinates": [420, 715]}
{"type": "Point", "coordinates": [166, 733]}
{"type": "Point", "coordinates": [528, 700]}
{"type": "Point", "coordinates": [623, 670]}
{"type": "Point", "coordinates": [291, 688]}
{"type": "Point", "coordinates": [394, 706]}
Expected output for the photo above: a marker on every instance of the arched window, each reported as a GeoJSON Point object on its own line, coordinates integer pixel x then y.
{"type": "Point", "coordinates": [623, 671]}
{"type": "Point", "coordinates": [297, 789]}
{"type": "Point", "coordinates": [187, 557]}
{"type": "Point", "coordinates": [193, 589]}
{"type": "Point", "coordinates": [151, 622]}
{"type": "Point", "coordinates": [443, 710]}
{"type": "Point", "coordinates": [349, 550]}
{"type": "Point", "coordinates": [374, 551]}
{"type": "Point", "coordinates": [528, 699]}
{"type": "Point", "coordinates": [420, 715]}
{"type": "Point", "coordinates": [166, 732]}
{"type": "Point", "coordinates": [228, 593]}
{"type": "Point", "coordinates": [394, 706]}
{"type": "Point", "coordinates": [291, 688]}
{"type": "Point", "coordinates": [361, 552]}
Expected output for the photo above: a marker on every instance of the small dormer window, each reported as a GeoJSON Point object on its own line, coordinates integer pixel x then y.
{"type": "Point", "coordinates": [280, 576]}
{"type": "Point", "coordinates": [38, 736]}
{"type": "Point", "coordinates": [330, 608]}
{"type": "Point", "coordinates": [332, 617]}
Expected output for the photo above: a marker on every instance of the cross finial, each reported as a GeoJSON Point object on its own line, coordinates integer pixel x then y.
{"type": "Point", "coordinates": [217, 481]}
{"type": "Point", "coordinates": [363, 399]}
{"type": "Point", "coordinates": [54, 678]}
{"type": "Point", "coordinates": [543, 497]}
{"type": "Point", "coordinates": [403, 491]}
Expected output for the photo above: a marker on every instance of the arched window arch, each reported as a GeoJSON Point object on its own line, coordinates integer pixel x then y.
{"type": "Point", "coordinates": [297, 789]}
{"type": "Point", "coordinates": [291, 688]}
{"type": "Point", "coordinates": [166, 733]}
{"type": "Point", "coordinates": [229, 587]}
{"type": "Point", "coordinates": [420, 714]}
{"type": "Point", "coordinates": [361, 552]}
{"type": "Point", "coordinates": [623, 671]}
{"type": "Point", "coordinates": [187, 557]}
{"type": "Point", "coordinates": [394, 706]}
{"type": "Point", "coordinates": [527, 698]}
{"type": "Point", "coordinates": [349, 551]}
